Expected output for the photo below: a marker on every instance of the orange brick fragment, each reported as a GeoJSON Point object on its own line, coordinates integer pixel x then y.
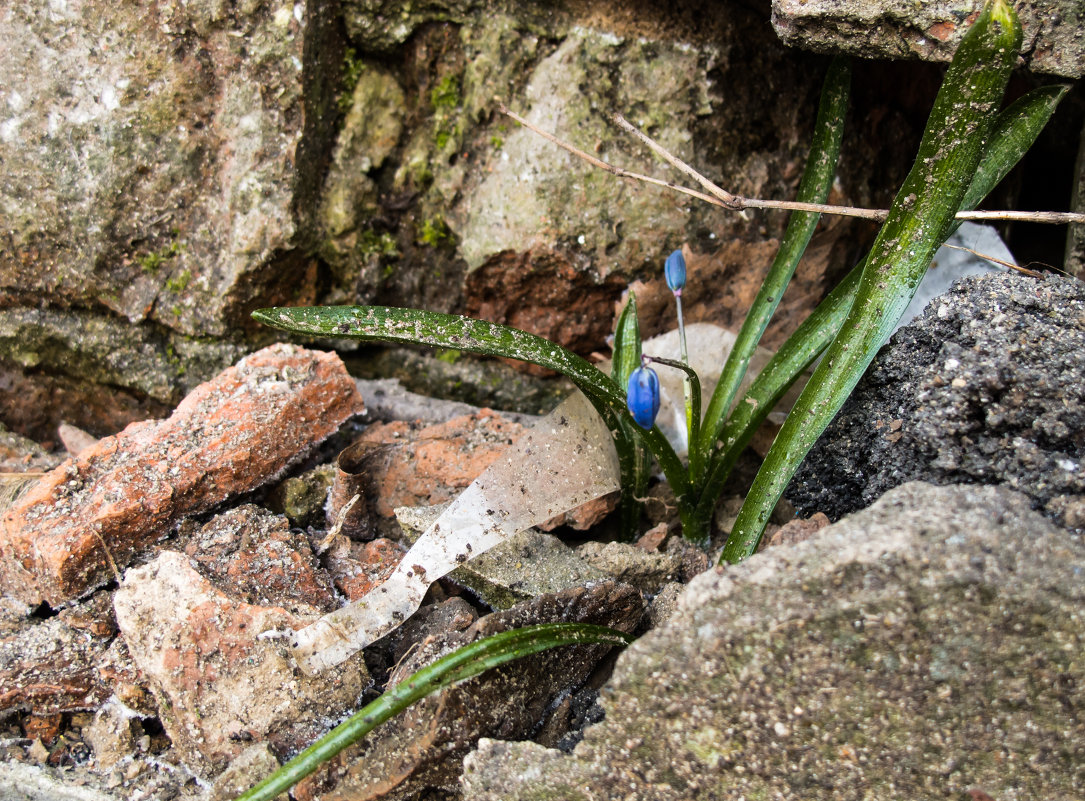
{"type": "Point", "coordinates": [228, 436]}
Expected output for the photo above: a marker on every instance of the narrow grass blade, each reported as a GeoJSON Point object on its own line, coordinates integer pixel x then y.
{"type": "Point", "coordinates": [1012, 134]}
{"type": "Point", "coordinates": [461, 664]}
{"type": "Point", "coordinates": [919, 221]}
{"type": "Point", "coordinates": [814, 188]}
{"type": "Point", "coordinates": [797, 354]}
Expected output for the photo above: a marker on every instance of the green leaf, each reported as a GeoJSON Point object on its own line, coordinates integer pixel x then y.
{"type": "Point", "coordinates": [796, 354]}
{"type": "Point", "coordinates": [1012, 134]}
{"type": "Point", "coordinates": [920, 220]}
{"type": "Point", "coordinates": [627, 344]}
{"type": "Point", "coordinates": [817, 180]}
{"type": "Point", "coordinates": [420, 327]}
{"type": "Point", "coordinates": [461, 664]}
{"type": "Point", "coordinates": [627, 353]}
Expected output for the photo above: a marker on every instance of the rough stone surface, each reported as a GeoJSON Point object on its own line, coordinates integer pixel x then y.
{"type": "Point", "coordinates": [255, 555]}
{"type": "Point", "coordinates": [797, 530]}
{"type": "Point", "coordinates": [112, 735]}
{"type": "Point", "coordinates": [358, 567]}
{"type": "Point", "coordinates": [221, 668]}
{"type": "Point", "coordinates": [924, 647]}
{"type": "Point", "coordinates": [36, 403]}
{"type": "Point", "coordinates": [424, 746]}
{"type": "Point", "coordinates": [985, 387]}
{"type": "Point", "coordinates": [33, 783]}
{"type": "Point", "coordinates": [526, 192]}
{"type": "Point", "coordinates": [423, 465]}
{"type": "Point", "coordinates": [149, 155]}
{"type": "Point", "coordinates": [104, 349]}
{"type": "Point", "coordinates": [546, 296]}
{"type": "Point", "coordinates": [528, 565]}
{"type": "Point", "coordinates": [49, 666]}
{"type": "Point", "coordinates": [248, 768]}
{"type": "Point", "coordinates": [465, 190]}
{"type": "Point", "coordinates": [89, 516]}
{"type": "Point", "coordinates": [1053, 38]}
{"type": "Point", "coordinates": [20, 455]}
{"type": "Point", "coordinates": [648, 572]}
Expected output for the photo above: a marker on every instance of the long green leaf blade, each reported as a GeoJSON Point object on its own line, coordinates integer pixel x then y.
{"type": "Point", "coordinates": [1012, 134]}
{"type": "Point", "coordinates": [817, 180]}
{"type": "Point", "coordinates": [461, 664]}
{"type": "Point", "coordinates": [920, 219]}
{"type": "Point", "coordinates": [799, 351]}
{"type": "Point", "coordinates": [420, 327]}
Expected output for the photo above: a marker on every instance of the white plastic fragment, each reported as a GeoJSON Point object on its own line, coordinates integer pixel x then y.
{"type": "Point", "coordinates": [566, 459]}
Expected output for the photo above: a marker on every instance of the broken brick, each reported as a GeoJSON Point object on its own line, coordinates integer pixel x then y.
{"type": "Point", "coordinates": [92, 514]}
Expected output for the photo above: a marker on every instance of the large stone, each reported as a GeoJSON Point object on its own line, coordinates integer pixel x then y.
{"type": "Point", "coordinates": [159, 168]}
{"type": "Point", "coordinates": [149, 154]}
{"type": "Point", "coordinates": [548, 241]}
{"type": "Point", "coordinates": [927, 646]}
{"type": "Point", "coordinates": [221, 668]}
{"type": "Point", "coordinates": [984, 386]}
{"type": "Point", "coordinates": [532, 188]}
{"type": "Point", "coordinates": [106, 350]}
{"type": "Point", "coordinates": [1053, 41]}
{"type": "Point", "coordinates": [87, 518]}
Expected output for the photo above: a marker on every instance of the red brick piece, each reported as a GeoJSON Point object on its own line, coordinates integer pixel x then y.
{"type": "Point", "coordinates": [230, 435]}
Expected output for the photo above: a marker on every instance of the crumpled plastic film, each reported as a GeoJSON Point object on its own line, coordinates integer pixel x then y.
{"type": "Point", "coordinates": [566, 459]}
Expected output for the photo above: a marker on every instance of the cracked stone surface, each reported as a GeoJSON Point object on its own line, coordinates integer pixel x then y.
{"type": "Point", "coordinates": [924, 647]}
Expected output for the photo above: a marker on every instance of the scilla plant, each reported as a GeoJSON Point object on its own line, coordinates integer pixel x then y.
{"type": "Point", "coordinates": [967, 148]}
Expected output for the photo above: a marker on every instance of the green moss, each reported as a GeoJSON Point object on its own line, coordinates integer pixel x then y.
{"type": "Point", "coordinates": [150, 262]}
{"type": "Point", "coordinates": [446, 94]}
{"type": "Point", "coordinates": [174, 360]}
{"type": "Point", "coordinates": [371, 243]}
{"type": "Point", "coordinates": [447, 102]}
{"type": "Point", "coordinates": [434, 231]}
{"type": "Point", "coordinates": [179, 282]}
{"type": "Point", "coordinates": [448, 355]}
{"type": "Point", "coordinates": [353, 67]}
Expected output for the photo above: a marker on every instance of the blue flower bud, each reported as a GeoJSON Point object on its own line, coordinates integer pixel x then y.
{"type": "Point", "coordinates": [675, 270]}
{"type": "Point", "coordinates": [642, 396]}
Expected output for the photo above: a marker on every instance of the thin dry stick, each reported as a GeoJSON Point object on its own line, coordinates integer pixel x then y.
{"type": "Point", "coordinates": [621, 173]}
{"type": "Point", "coordinates": [727, 200]}
{"type": "Point", "coordinates": [1007, 264]}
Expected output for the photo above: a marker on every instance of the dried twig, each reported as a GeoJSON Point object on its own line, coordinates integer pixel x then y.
{"type": "Point", "coordinates": [1007, 264]}
{"type": "Point", "coordinates": [718, 196]}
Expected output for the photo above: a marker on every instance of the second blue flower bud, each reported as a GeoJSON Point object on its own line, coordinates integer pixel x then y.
{"type": "Point", "coordinates": [675, 271]}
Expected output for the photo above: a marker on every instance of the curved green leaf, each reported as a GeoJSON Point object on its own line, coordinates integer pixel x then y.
{"type": "Point", "coordinates": [919, 221]}
{"type": "Point", "coordinates": [420, 327]}
{"type": "Point", "coordinates": [635, 474]}
{"type": "Point", "coordinates": [461, 664]}
{"type": "Point", "coordinates": [817, 180]}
